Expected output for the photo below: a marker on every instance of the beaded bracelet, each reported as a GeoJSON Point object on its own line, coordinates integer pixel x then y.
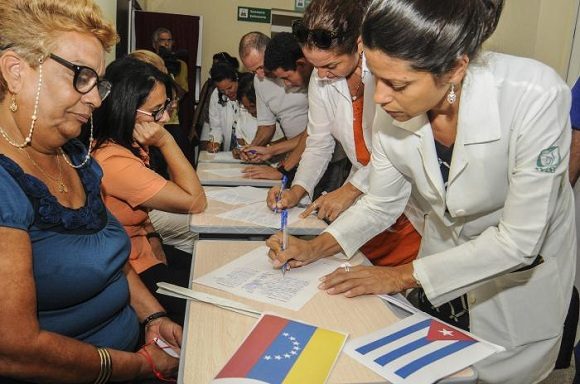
{"type": "Point", "coordinates": [153, 316]}
{"type": "Point", "coordinates": [106, 366]}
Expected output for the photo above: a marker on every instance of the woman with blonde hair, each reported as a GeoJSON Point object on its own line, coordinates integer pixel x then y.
{"type": "Point", "coordinates": [71, 305]}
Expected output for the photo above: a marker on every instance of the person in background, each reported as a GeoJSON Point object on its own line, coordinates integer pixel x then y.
{"type": "Point", "coordinates": [341, 109]}
{"type": "Point", "coordinates": [479, 145]}
{"type": "Point", "coordinates": [224, 109]}
{"type": "Point", "coordinates": [71, 305]}
{"type": "Point", "coordinates": [273, 103]}
{"type": "Point", "coordinates": [282, 53]}
{"type": "Point", "coordinates": [200, 127]}
{"type": "Point", "coordinates": [128, 123]}
{"type": "Point", "coordinates": [163, 42]}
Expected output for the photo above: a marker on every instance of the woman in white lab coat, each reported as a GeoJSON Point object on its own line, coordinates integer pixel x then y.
{"type": "Point", "coordinates": [224, 109]}
{"type": "Point", "coordinates": [479, 146]}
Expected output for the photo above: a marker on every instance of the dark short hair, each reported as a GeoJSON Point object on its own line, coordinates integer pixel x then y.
{"type": "Point", "coordinates": [246, 87]}
{"type": "Point", "coordinates": [223, 71]}
{"type": "Point", "coordinates": [224, 57]}
{"type": "Point", "coordinates": [283, 51]}
{"type": "Point", "coordinates": [343, 17]}
{"type": "Point", "coordinates": [431, 35]}
{"type": "Point", "coordinates": [132, 81]}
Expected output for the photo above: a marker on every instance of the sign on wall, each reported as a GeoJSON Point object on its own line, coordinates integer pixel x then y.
{"type": "Point", "coordinates": [254, 15]}
{"type": "Point", "coordinates": [300, 5]}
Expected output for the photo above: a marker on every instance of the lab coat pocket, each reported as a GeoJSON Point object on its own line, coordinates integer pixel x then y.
{"type": "Point", "coordinates": [532, 303]}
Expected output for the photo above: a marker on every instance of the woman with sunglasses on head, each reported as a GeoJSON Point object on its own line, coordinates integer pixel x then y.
{"type": "Point", "coordinates": [479, 144]}
{"type": "Point", "coordinates": [341, 108]}
{"type": "Point", "coordinates": [71, 304]}
{"type": "Point", "coordinates": [128, 123]}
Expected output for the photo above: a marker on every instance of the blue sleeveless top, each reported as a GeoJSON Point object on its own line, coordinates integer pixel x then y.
{"type": "Point", "coordinates": [78, 256]}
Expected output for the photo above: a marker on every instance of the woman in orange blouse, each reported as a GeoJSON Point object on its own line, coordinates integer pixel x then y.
{"type": "Point", "coordinates": [128, 123]}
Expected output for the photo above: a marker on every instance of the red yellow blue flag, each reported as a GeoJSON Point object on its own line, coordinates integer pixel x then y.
{"type": "Point", "coordinates": [284, 351]}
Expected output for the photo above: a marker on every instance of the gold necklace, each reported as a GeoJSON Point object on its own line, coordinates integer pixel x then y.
{"type": "Point", "coordinates": [62, 188]}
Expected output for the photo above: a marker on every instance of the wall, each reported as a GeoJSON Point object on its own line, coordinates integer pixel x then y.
{"type": "Point", "coordinates": [221, 30]}
{"type": "Point", "coordinates": [542, 29]}
{"type": "Point", "coordinates": [109, 8]}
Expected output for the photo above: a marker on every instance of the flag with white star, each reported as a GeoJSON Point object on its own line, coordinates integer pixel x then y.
{"type": "Point", "coordinates": [419, 349]}
{"type": "Point", "coordinates": [280, 350]}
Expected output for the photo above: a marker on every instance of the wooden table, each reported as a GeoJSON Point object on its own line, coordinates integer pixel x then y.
{"type": "Point", "coordinates": [208, 178]}
{"type": "Point", "coordinates": [208, 223]}
{"type": "Point", "coordinates": [212, 334]}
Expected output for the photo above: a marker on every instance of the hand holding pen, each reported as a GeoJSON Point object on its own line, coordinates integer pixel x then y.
{"type": "Point", "coordinates": [284, 229]}
{"type": "Point", "coordinates": [283, 182]}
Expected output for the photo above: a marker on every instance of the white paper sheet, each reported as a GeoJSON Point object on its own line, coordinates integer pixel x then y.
{"type": "Point", "coordinates": [252, 276]}
{"type": "Point", "coordinates": [239, 195]}
{"type": "Point", "coordinates": [225, 172]}
{"type": "Point", "coordinates": [226, 157]}
{"type": "Point", "coordinates": [259, 213]}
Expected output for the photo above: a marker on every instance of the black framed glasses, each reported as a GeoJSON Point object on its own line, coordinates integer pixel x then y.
{"type": "Point", "coordinates": [85, 78]}
{"type": "Point", "coordinates": [158, 113]}
{"type": "Point", "coordinates": [321, 38]}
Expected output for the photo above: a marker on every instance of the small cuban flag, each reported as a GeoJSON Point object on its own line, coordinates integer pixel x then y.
{"type": "Point", "coordinates": [419, 350]}
{"type": "Point", "coordinates": [280, 350]}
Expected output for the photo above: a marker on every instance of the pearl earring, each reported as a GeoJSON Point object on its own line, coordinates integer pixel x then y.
{"type": "Point", "coordinates": [452, 96]}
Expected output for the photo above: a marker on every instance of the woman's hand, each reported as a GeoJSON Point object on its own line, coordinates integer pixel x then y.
{"type": "Point", "coordinates": [257, 154]}
{"type": "Point", "coordinates": [366, 280]}
{"type": "Point", "coordinates": [298, 252]}
{"type": "Point", "coordinates": [261, 172]}
{"type": "Point", "coordinates": [156, 358]}
{"type": "Point", "coordinates": [165, 328]}
{"type": "Point", "coordinates": [157, 248]}
{"type": "Point", "coordinates": [332, 204]}
{"type": "Point", "coordinates": [150, 134]}
{"type": "Point", "coordinates": [289, 198]}
{"type": "Point", "coordinates": [213, 147]}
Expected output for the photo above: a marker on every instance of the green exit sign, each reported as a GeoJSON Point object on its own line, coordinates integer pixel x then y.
{"type": "Point", "coordinates": [300, 5]}
{"type": "Point", "coordinates": [254, 15]}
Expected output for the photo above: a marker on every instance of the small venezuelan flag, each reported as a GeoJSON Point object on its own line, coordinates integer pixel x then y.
{"type": "Point", "coordinates": [279, 350]}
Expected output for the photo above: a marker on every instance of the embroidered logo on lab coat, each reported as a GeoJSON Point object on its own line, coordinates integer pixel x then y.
{"type": "Point", "coordinates": [548, 160]}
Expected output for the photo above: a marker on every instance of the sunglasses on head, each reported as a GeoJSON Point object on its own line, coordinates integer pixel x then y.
{"type": "Point", "coordinates": [159, 112]}
{"type": "Point", "coordinates": [321, 38]}
{"type": "Point", "coordinates": [85, 78]}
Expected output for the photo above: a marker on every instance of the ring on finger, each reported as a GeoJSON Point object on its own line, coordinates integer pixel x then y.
{"type": "Point", "coordinates": [346, 267]}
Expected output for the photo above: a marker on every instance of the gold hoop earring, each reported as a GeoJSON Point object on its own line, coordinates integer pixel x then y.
{"type": "Point", "coordinates": [451, 96]}
{"type": "Point", "coordinates": [13, 106]}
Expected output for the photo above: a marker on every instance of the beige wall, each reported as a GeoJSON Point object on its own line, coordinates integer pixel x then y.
{"type": "Point", "coordinates": [541, 29]}
{"type": "Point", "coordinates": [109, 8]}
{"type": "Point", "coordinates": [221, 30]}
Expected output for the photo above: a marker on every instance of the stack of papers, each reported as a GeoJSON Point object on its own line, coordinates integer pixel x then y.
{"type": "Point", "coordinates": [239, 195]}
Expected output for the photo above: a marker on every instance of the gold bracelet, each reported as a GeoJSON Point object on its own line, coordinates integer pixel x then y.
{"type": "Point", "coordinates": [106, 369]}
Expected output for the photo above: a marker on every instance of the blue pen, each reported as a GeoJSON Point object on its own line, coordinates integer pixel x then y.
{"type": "Point", "coordinates": [283, 182]}
{"type": "Point", "coordinates": [284, 229]}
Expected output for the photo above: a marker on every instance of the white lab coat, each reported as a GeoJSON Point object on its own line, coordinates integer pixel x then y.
{"type": "Point", "coordinates": [221, 119]}
{"type": "Point", "coordinates": [508, 200]}
{"type": "Point", "coordinates": [330, 117]}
